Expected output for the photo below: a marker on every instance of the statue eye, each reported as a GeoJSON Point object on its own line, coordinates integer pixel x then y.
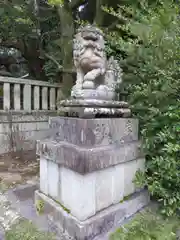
{"type": "Point", "coordinates": [91, 38]}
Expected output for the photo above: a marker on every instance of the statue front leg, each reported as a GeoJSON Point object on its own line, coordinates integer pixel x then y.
{"type": "Point", "coordinates": [80, 79]}
{"type": "Point", "coordinates": [89, 78]}
{"type": "Point", "coordinates": [76, 91]}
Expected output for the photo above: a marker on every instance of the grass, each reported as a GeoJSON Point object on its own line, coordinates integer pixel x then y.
{"type": "Point", "coordinates": [3, 187]}
{"type": "Point", "coordinates": [25, 230]}
{"type": "Point", "coordinates": [148, 225]}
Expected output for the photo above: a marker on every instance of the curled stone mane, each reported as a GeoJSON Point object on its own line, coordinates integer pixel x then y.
{"type": "Point", "coordinates": [90, 28]}
{"type": "Point", "coordinates": [80, 39]}
{"type": "Point", "coordinates": [78, 42]}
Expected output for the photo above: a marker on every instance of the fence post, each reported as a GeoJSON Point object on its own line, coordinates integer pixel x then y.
{"type": "Point", "coordinates": [6, 96]}
{"type": "Point", "coordinates": [27, 97]}
{"type": "Point", "coordinates": [17, 97]}
{"type": "Point", "coordinates": [44, 98]}
{"type": "Point", "coordinates": [52, 99]}
{"type": "Point", "coordinates": [36, 97]}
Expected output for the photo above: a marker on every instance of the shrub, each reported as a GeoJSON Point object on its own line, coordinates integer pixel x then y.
{"type": "Point", "coordinates": [149, 54]}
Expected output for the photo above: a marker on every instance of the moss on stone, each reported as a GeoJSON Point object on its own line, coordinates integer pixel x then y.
{"type": "Point", "coordinates": [63, 207]}
{"type": "Point", "coordinates": [40, 206]}
{"type": "Point", "coordinates": [125, 198]}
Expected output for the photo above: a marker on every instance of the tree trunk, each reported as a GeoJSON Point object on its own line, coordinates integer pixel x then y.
{"type": "Point", "coordinates": [66, 44]}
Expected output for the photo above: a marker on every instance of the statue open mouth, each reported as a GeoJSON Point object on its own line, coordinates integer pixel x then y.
{"type": "Point", "coordinates": [88, 64]}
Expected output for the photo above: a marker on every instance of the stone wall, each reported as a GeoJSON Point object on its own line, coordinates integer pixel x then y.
{"type": "Point", "coordinates": [25, 107]}
{"type": "Point", "coordinates": [20, 130]}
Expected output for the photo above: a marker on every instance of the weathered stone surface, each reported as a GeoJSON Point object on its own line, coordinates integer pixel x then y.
{"type": "Point", "coordinates": [118, 184]}
{"type": "Point", "coordinates": [94, 162]}
{"type": "Point", "coordinates": [94, 108]}
{"type": "Point", "coordinates": [19, 130]}
{"type": "Point", "coordinates": [101, 223]}
{"type": "Point", "coordinates": [85, 195]}
{"type": "Point", "coordinates": [96, 77]}
{"type": "Point", "coordinates": [6, 93]}
{"type": "Point", "coordinates": [86, 145]}
{"type": "Point", "coordinates": [27, 93]}
{"type": "Point", "coordinates": [44, 175]}
{"type": "Point", "coordinates": [85, 160]}
{"type": "Point", "coordinates": [23, 126]}
{"type": "Point", "coordinates": [27, 81]}
{"type": "Point", "coordinates": [53, 178]}
{"type": "Point", "coordinates": [94, 112]}
{"type": "Point", "coordinates": [104, 188]}
{"type": "Point", "coordinates": [25, 116]}
{"type": "Point", "coordinates": [78, 193]}
{"type": "Point", "coordinates": [93, 103]}
{"type": "Point", "coordinates": [94, 132]}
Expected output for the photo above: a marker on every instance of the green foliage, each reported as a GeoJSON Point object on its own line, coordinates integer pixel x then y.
{"type": "Point", "coordinates": [25, 230]}
{"type": "Point", "coordinates": [63, 207]}
{"type": "Point", "coordinates": [56, 2]}
{"type": "Point", "coordinates": [149, 54]}
{"type": "Point", "coordinates": [43, 31]}
{"type": "Point", "coordinates": [17, 19]}
{"type": "Point", "coordinates": [33, 28]}
{"type": "Point", "coordinates": [148, 226]}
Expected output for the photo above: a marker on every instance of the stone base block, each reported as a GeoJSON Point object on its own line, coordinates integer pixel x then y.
{"type": "Point", "coordinates": [85, 195]}
{"type": "Point", "coordinates": [103, 222]}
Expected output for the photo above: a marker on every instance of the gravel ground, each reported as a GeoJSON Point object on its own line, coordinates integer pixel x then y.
{"type": "Point", "coordinates": [17, 204]}
{"type": "Point", "coordinates": [8, 215]}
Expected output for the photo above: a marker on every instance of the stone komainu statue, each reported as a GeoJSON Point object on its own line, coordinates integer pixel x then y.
{"type": "Point", "coordinates": [96, 77]}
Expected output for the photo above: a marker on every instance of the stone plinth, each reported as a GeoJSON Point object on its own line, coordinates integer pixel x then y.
{"type": "Point", "coordinates": [87, 166]}
{"type": "Point", "coordinates": [100, 224]}
{"type": "Point", "coordinates": [94, 108]}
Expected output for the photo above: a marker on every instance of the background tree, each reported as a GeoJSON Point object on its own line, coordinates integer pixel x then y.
{"type": "Point", "coordinates": [19, 30]}
{"type": "Point", "coordinates": [43, 30]}
{"type": "Point", "coordinates": [70, 13]}
{"type": "Point", "coordinates": [149, 54]}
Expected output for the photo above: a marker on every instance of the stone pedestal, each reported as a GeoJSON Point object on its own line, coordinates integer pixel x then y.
{"type": "Point", "coordinates": [86, 173]}
{"type": "Point", "coordinates": [94, 108]}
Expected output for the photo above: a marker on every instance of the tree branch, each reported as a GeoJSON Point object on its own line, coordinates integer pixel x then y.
{"type": "Point", "coordinates": [53, 60]}
{"type": "Point", "coordinates": [5, 73]}
{"type": "Point", "coordinates": [60, 68]}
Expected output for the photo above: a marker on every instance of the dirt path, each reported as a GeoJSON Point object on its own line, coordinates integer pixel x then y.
{"type": "Point", "coordinates": [18, 168]}
{"type": "Point", "coordinates": [18, 181]}
{"type": "Point", "coordinates": [21, 199]}
{"type": "Point", "coordinates": [15, 169]}
{"type": "Point", "coordinates": [8, 215]}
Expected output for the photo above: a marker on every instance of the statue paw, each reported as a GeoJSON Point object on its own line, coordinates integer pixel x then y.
{"type": "Point", "coordinates": [102, 88]}
{"type": "Point", "coordinates": [89, 77]}
{"type": "Point", "coordinates": [88, 85]}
